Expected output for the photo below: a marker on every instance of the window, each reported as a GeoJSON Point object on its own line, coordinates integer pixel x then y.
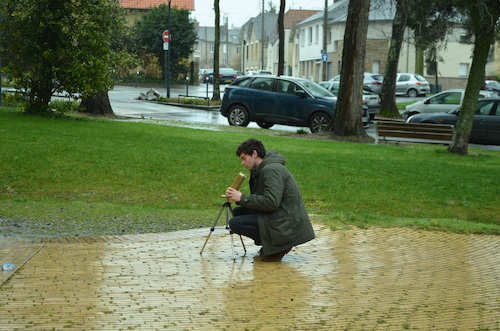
{"type": "Point", "coordinates": [404, 78]}
{"type": "Point", "coordinates": [211, 48]}
{"type": "Point", "coordinates": [484, 107]}
{"type": "Point", "coordinates": [302, 37]}
{"type": "Point", "coordinates": [450, 98]}
{"type": "Point", "coordinates": [284, 86]}
{"type": "Point", "coordinates": [316, 32]}
{"type": "Point", "coordinates": [463, 70]}
{"type": "Point", "coordinates": [310, 31]}
{"type": "Point", "coordinates": [262, 84]}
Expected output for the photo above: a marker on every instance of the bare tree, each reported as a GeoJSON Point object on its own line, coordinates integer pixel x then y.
{"type": "Point", "coordinates": [483, 18]}
{"type": "Point", "coordinates": [215, 80]}
{"type": "Point", "coordinates": [348, 114]}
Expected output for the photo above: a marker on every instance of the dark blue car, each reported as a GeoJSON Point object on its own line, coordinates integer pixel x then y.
{"type": "Point", "coordinates": [486, 124]}
{"type": "Point", "coordinates": [269, 100]}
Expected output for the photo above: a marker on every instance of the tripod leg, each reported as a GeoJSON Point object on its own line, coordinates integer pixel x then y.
{"type": "Point", "coordinates": [229, 212]}
{"type": "Point", "coordinates": [244, 248]}
{"type": "Point", "coordinates": [212, 228]}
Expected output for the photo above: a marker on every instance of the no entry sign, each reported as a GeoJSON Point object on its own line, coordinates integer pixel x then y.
{"type": "Point", "coordinates": [166, 36]}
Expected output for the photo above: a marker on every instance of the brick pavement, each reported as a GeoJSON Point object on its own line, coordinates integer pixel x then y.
{"type": "Point", "coordinates": [375, 279]}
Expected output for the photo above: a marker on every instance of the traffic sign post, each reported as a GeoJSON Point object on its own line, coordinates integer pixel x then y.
{"type": "Point", "coordinates": [166, 39]}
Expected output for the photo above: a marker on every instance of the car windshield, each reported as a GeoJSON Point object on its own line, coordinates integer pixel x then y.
{"type": "Point", "coordinates": [314, 88]}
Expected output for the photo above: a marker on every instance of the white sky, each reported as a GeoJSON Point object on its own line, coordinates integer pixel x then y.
{"type": "Point", "coordinates": [240, 11]}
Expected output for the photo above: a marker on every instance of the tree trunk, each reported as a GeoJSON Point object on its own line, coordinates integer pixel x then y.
{"type": "Point", "coordinates": [484, 15]}
{"type": "Point", "coordinates": [388, 101]}
{"type": "Point", "coordinates": [97, 105]}
{"type": "Point", "coordinates": [281, 41]}
{"type": "Point", "coordinates": [348, 114]}
{"type": "Point", "coordinates": [216, 85]}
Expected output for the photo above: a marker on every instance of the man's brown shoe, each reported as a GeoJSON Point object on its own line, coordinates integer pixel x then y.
{"type": "Point", "coordinates": [276, 257]}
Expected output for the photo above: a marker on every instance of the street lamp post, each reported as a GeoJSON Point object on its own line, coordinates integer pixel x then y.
{"type": "Point", "coordinates": [168, 50]}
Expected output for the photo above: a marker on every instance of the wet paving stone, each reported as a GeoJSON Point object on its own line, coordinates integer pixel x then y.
{"type": "Point", "coordinates": [375, 279]}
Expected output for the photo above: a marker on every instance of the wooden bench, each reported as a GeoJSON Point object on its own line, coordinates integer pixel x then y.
{"type": "Point", "coordinates": [413, 132]}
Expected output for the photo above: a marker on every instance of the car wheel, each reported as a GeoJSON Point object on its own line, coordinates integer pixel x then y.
{"type": "Point", "coordinates": [412, 93]}
{"type": "Point", "coordinates": [319, 122]}
{"type": "Point", "coordinates": [265, 125]}
{"type": "Point", "coordinates": [238, 116]}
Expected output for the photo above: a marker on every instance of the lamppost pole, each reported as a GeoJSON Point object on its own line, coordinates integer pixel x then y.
{"type": "Point", "coordinates": [168, 51]}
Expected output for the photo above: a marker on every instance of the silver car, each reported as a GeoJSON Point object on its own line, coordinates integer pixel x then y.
{"type": "Point", "coordinates": [412, 85]}
{"type": "Point", "coordinates": [441, 102]}
{"type": "Point", "coordinates": [370, 79]}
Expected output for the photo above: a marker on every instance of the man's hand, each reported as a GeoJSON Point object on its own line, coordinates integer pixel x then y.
{"type": "Point", "coordinates": [233, 194]}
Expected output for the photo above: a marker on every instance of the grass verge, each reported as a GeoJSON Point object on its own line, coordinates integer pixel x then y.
{"type": "Point", "coordinates": [82, 176]}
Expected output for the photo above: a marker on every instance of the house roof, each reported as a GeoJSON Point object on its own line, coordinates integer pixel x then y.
{"type": "Point", "coordinates": [379, 11]}
{"type": "Point", "coordinates": [146, 4]}
{"type": "Point", "coordinates": [294, 16]}
{"type": "Point", "coordinates": [254, 25]}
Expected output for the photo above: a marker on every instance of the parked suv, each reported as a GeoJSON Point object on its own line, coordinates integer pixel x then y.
{"type": "Point", "coordinates": [269, 100]}
{"type": "Point", "coordinates": [412, 85]}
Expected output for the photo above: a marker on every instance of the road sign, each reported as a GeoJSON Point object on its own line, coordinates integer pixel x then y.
{"type": "Point", "coordinates": [324, 57]}
{"type": "Point", "coordinates": [166, 36]}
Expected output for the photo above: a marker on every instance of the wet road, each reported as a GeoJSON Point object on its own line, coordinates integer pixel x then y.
{"type": "Point", "coordinates": [124, 103]}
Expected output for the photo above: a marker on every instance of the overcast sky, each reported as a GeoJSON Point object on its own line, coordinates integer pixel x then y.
{"type": "Point", "coordinates": [240, 11]}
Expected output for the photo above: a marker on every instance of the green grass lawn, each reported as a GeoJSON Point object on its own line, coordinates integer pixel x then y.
{"type": "Point", "coordinates": [81, 176]}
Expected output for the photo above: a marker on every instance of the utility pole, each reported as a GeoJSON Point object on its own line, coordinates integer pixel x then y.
{"type": "Point", "coordinates": [262, 40]}
{"type": "Point", "coordinates": [168, 50]}
{"type": "Point", "coordinates": [227, 41]}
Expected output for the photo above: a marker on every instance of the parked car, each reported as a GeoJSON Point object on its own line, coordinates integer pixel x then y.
{"type": "Point", "coordinates": [486, 125]}
{"type": "Point", "coordinates": [492, 85]}
{"type": "Point", "coordinates": [227, 75]}
{"type": "Point", "coordinates": [207, 76]}
{"type": "Point", "coordinates": [441, 102]}
{"type": "Point", "coordinates": [412, 85]}
{"type": "Point", "coordinates": [258, 72]}
{"type": "Point", "coordinates": [370, 79]}
{"type": "Point", "coordinates": [370, 98]}
{"type": "Point", "coordinates": [269, 100]}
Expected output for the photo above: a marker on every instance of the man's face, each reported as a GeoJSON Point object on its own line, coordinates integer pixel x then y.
{"type": "Point", "coordinates": [249, 161]}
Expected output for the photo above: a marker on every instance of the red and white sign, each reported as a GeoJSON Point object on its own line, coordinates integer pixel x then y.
{"type": "Point", "coordinates": [166, 36]}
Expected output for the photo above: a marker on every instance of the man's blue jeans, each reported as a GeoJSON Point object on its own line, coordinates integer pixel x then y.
{"type": "Point", "coordinates": [245, 223]}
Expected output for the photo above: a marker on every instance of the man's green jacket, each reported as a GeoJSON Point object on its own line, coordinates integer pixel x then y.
{"type": "Point", "coordinates": [282, 215]}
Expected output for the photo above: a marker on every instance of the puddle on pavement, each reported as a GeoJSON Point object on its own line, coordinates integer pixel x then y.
{"type": "Point", "coordinates": [360, 279]}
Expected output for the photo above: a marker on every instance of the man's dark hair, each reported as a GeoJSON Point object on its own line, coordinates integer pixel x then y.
{"type": "Point", "coordinates": [250, 145]}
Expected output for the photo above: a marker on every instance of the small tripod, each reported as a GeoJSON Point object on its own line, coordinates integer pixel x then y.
{"type": "Point", "coordinates": [229, 211]}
